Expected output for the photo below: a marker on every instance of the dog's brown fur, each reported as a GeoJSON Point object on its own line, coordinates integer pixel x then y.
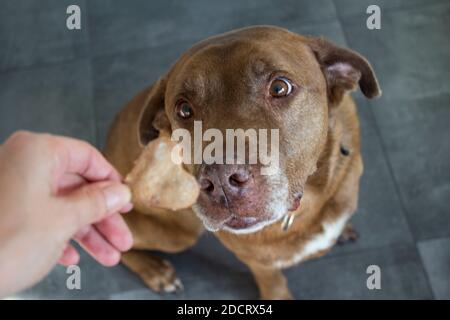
{"type": "Point", "coordinates": [331, 176]}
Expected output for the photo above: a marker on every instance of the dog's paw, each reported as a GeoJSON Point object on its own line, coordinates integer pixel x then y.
{"type": "Point", "coordinates": [159, 275]}
{"type": "Point", "coordinates": [348, 235]}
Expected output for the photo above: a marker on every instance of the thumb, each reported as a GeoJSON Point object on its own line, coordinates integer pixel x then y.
{"type": "Point", "coordinates": [93, 202]}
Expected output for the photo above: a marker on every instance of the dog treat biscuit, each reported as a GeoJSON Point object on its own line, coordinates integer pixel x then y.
{"type": "Point", "coordinates": [158, 182]}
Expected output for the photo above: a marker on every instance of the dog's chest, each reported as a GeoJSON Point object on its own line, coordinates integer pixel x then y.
{"type": "Point", "coordinates": [319, 242]}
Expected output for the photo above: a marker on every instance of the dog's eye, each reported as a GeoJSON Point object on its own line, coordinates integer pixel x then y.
{"type": "Point", "coordinates": [280, 87]}
{"type": "Point", "coordinates": [184, 109]}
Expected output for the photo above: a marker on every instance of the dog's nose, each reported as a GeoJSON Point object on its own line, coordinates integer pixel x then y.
{"type": "Point", "coordinates": [215, 180]}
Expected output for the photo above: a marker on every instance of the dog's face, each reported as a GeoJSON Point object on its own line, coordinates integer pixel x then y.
{"type": "Point", "coordinates": [257, 78]}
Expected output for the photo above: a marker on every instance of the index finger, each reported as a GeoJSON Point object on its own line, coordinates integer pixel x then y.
{"type": "Point", "coordinates": [79, 157]}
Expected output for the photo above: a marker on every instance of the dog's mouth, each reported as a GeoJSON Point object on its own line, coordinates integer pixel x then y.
{"type": "Point", "coordinates": [247, 224]}
{"type": "Point", "coordinates": [296, 202]}
{"type": "Point", "coordinates": [240, 219]}
{"type": "Point", "coordinates": [241, 223]}
{"type": "Point", "coordinates": [237, 224]}
{"type": "Point", "coordinates": [231, 222]}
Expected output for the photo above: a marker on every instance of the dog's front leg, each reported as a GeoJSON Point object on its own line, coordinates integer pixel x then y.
{"type": "Point", "coordinates": [157, 273]}
{"type": "Point", "coordinates": [271, 282]}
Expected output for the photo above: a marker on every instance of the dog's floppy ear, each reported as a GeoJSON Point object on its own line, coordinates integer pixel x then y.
{"type": "Point", "coordinates": [344, 69]}
{"type": "Point", "coordinates": [153, 121]}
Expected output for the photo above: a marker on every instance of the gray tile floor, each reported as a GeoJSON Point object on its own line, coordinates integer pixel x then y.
{"type": "Point", "coordinates": [73, 82]}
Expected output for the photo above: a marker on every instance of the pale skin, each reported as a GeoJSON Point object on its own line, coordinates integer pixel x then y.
{"type": "Point", "coordinates": [54, 189]}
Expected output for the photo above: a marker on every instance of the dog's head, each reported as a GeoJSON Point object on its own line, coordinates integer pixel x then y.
{"type": "Point", "coordinates": [255, 78]}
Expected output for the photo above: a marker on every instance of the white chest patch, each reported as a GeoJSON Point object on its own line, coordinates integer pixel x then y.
{"type": "Point", "coordinates": [331, 231]}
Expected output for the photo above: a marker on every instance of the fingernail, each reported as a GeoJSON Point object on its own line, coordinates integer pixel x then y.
{"type": "Point", "coordinates": [116, 196]}
{"type": "Point", "coordinates": [127, 208]}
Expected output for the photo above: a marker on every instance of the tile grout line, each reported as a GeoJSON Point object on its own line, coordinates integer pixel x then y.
{"type": "Point", "coordinates": [89, 55]}
{"type": "Point", "coordinates": [94, 123]}
{"type": "Point", "coordinates": [192, 41]}
{"type": "Point", "coordinates": [390, 169]}
{"type": "Point", "coordinates": [433, 239]}
{"type": "Point", "coordinates": [401, 199]}
{"type": "Point", "coordinates": [367, 249]}
{"type": "Point", "coordinates": [427, 275]}
{"type": "Point", "coordinates": [40, 65]}
{"type": "Point", "coordinates": [341, 25]}
{"type": "Point", "coordinates": [399, 194]}
{"type": "Point", "coordinates": [397, 9]}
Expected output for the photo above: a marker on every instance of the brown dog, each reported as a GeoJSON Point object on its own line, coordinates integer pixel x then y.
{"type": "Point", "coordinates": [263, 78]}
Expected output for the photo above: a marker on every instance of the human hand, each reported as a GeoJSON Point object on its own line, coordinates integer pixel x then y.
{"type": "Point", "coordinates": [53, 189]}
